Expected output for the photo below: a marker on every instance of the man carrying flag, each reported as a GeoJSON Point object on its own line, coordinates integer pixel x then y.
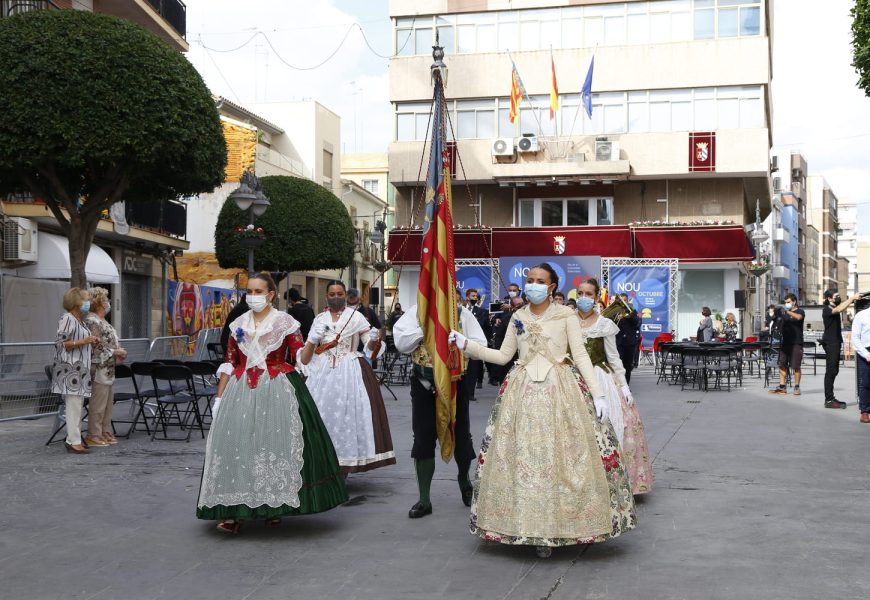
{"type": "Point", "coordinates": [439, 405]}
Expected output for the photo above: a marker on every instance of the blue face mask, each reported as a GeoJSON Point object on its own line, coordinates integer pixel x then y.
{"type": "Point", "coordinates": [86, 307]}
{"type": "Point", "coordinates": [585, 304]}
{"type": "Point", "coordinates": [536, 292]}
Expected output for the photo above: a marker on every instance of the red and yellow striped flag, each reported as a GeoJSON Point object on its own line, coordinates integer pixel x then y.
{"type": "Point", "coordinates": [437, 311]}
{"type": "Point", "coordinates": [554, 89]}
{"type": "Point", "coordinates": [518, 91]}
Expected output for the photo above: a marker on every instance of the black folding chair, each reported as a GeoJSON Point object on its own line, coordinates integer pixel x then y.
{"type": "Point", "coordinates": [215, 351]}
{"type": "Point", "coordinates": [720, 364]}
{"type": "Point", "coordinates": [181, 394]}
{"type": "Point", "coordinates": [811, 350]}
{"type": "Point", "coordinates": [204, 384]}
{"type": "Point", "coordinates": [693, 363]}
{"type": "Point", "coordinates": [123, 373]}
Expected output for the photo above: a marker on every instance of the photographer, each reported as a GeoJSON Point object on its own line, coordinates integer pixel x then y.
{"type": "Point", "coordinates": [832, 341]}
{"type": "Point", "coordinates": [791, 353]}
{"type": "Point", "coordinates": [861, 343]}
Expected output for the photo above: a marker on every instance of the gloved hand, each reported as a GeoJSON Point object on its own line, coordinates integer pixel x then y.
{"type": "Point", "coordinates": [626, 391]}
{"type": "Point", "coordinates": [601, 408]}
{"type": "Point", "coordinates": [460, 340]}
{"type": "Point", "coordinates": [315, 336]}
{"type": "Point", "coordinates": [214, 406]}
{"type": "Point", "coordinates": [374, 335]}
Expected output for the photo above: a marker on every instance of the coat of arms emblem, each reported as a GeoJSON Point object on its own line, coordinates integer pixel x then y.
{"type": "Point", "coordinates": [559, 244]}
{"type": "Point", "coordinates": [702, 151]}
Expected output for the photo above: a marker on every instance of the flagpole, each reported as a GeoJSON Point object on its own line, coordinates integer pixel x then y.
{"type": "Point", "coordinates": [528, 99]}
{"type": "Point", "coordinates": [577, 112]}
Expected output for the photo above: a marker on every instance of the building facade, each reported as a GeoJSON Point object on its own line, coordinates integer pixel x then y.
{"type": "Point", "coordinates": [822, 214]}
{"type": "Point", "coordinates": [847, 241]}
{"type": "Point", "coordinates": [679, 132]}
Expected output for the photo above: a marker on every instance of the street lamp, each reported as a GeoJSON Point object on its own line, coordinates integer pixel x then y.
{"type": "Point", "coordinates": [758, 237]}
{"type": "Point", "coordinates": [249, 196]}
{"type": "Point", "coordinates": [381, 266]}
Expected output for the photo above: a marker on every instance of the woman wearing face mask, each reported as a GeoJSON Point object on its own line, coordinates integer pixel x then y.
{"type": "Point", "coordinates": [104, 354]}
{"type": "Point", "coordinates": [600, 335]}
{"type": "Point", "coordinates": [268, 454]}
{"type": "Point", "coordinates": [71, 370]}
{"type": "Point", "coordinates": [549, 472]}
{"type": "Point", "coordinates": [344, 387]}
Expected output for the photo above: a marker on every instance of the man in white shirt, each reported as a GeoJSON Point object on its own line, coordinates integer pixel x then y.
{"type": "Point", "coordinates": [861, 344]}
{"type": "Point", "coordinates": [407, 336]}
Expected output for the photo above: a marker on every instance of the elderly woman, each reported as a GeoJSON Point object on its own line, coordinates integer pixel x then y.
{"type": "Point", "coordinates": [71, 371]}
{"type": "Point", "coordinates": [730, 329]}
{"type": "Point", "coordinates": [104, 354]}
{"type": "Point", "coordinates": [705, 325]}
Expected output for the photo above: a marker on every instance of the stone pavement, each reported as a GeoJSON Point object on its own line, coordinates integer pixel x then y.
{"type": "Point", "coordinates": [755, 496]}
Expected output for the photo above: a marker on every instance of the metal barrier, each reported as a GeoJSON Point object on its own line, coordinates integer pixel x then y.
{"type": "Point", "coordinates": [203, 339]}
{"type": "Point", "coordinates": [175, 347]}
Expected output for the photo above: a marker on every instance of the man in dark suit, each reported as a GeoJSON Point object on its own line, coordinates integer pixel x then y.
{"type": "Point", "coordinates": [627, 338]}
{"type": "Point", "coordinates": [503, 321]}
{"type": "Point", "coordinates": [300, 310]}
{"type": "Point", "coordinates": [481, 315]}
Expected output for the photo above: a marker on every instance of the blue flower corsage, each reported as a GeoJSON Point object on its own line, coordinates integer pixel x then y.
{"type": "Point", "coordinates": [240, 334]}
{"type": "Point", "coordinates": [519, 325]}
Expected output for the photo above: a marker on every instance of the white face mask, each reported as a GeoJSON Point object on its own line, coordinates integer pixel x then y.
{"type": "Point", "coordinates": [257, 303]}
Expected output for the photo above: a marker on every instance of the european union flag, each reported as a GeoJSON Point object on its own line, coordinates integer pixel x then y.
{"type": "Point", "coordinates": [586, 92]}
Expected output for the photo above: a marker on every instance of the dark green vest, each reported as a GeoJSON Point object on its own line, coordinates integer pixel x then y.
{"type": "Point", "coordinates": [595, 349]}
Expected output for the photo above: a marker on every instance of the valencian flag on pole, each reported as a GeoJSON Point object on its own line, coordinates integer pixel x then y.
{"type": "Point", "coordinates": [554, 88]}
{"type": "Point", "coordinates": [518, 91]}
{"type": "Point", "coordinates": [437, 310]}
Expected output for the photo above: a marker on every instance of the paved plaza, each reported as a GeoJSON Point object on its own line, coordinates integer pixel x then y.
{"type": "Point", "coordinates": [756, 496]}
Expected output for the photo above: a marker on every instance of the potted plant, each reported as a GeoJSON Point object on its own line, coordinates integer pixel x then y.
{"type": "Point", "coordinates": [250, 236]}
{"type": "Point", "coordinates": [757, 267]}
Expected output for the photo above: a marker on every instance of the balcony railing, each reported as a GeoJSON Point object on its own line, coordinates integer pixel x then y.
{"type": "Point", "coordinates": [175, 13]}
{"type": "Point", "coordinates": [14, 7]}
{"type": "Point", "coordinates": [167, 216]}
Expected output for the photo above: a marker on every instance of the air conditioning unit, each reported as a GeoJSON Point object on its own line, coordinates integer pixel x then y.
{"type": "Point", "coordinates": [528, 143]}
{"type": "Point", "coordinates": [19, 240]}
{"type": "Point", "coordinates": [777, 184]}
{"type": "Point", "coordinates": [606, 150]}
{"type": "Point", "coordinates": [774, 164]}
{"type": "Point", "coordinates": [503, 147]}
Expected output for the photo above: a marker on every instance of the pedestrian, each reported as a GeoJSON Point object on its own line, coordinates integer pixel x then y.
{"type": "Point", "coordinates": [106, 352]}
{"type": "Point", "coordinates": [559, 298]}
{"type": "Point", "coordinates": [344, 387]}
{"type": "Point", "coordinates": [705, 326]}
{"type": "Point", "coordinates": [474, 374]}
{"type": "Point", "coordinates": [408, 337]}
{"type": "Point", "coordinates": [832, 341]}
{"type": "Point", "coordinates": [395, 316]}
{"type": "Point", "coordinates": [237, 311]}
{"type": "Point", "coordinates": [71, 368]}
{"type": "Point", "coordinates": [791, 353]}
{"type": "Point", "coordinates": [354, 302]}
{"type": "Point", "coordinates": [628, 338]}
{"type": "Point", "coordinates": [497, 372]}
{"type": "Point", "coordinates": [599, 333]}
{"type": "Point", "coordinates": [300, 310]}
{"type": "Point", "coordinates": [861, 344]}
{"type": "Point", "coordinates": [549, 471]}
{"type": "Point", "coordinates": [730, 328]}
{"type": "Point", "coordinates": [571, 303]}
{"type": "Point", "coordinates": [268, 454]}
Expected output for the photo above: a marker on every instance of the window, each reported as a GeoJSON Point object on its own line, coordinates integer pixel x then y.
{"type": "Point", "coordinates": [371, 185]}
{"type": "Point", "coordinates": [475, 119]}
{"type": "Point", "coordinates": [327, 164]}
{"type": "Point", "coordinates": [565, 212]}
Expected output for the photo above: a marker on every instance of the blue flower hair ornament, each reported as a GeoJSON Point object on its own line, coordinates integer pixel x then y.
{"type": "Point", "coordinates": [519, 325]}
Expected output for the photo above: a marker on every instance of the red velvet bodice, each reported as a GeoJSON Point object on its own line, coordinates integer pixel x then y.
{"type": "Point", "coordinates": [278, 362]}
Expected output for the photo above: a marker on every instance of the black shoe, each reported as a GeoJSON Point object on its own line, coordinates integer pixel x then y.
{"type": "Point", "coordinates": [780, 389]}
{"type": "Point", "coordinates": [472, 399]}
{"type": "Point", "coordinates": [834, 404]}
{"type": "Point", "coordinates": [467, 494]}
{"type": "Point", "coordinates": [419, 510]}
{"type": "Point", "coordinates": [493, 382]}
{"type": "Point", "coordinates": [480, 385]}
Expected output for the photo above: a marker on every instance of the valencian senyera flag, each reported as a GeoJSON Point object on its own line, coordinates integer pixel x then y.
{"type": "Point", "coordinates": [554, 88]}
{"type": "Point", "coordinates": [518, 91]}
{"type": "Point", "coordinates": [437, 310]}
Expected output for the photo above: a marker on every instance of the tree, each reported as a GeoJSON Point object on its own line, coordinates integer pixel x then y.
{"type": "Point", "coordinates": [97, 110]}
{"type": "Point", "coordinates": [306, 228]}
{"type": "Point", "coordinates": [861, 43]}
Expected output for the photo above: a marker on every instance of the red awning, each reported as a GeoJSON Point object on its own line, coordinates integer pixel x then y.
{"type": "Point", "coordinates": [404, 246]}
{"type": "Point", "coordinates": [579, 241]}
{"type": "Point", "coordinates": [693, 244]}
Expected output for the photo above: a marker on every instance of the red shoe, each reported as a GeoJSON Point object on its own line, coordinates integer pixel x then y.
{"type": "Point", "coordinates": [865, 417]}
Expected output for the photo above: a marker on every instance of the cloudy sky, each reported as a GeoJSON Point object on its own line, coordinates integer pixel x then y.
{"type": "Point", "coordinates": [817, 108]}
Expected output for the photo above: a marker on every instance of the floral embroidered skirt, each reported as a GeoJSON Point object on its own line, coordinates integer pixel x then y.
{"type": "Point", "coordinates": [630, 434]}
{"type": "Point", "coordinates": [549, 474]}
{"type": "Point", "coordinates": [268, 454]}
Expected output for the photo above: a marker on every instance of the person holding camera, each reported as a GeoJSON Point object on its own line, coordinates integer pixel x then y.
{"type": "Point", "coordinates": [861, 343]}
{"type": "Point", "coordinates": [791, 353]}
{"type": "Point", "coordinates": [832, 341]}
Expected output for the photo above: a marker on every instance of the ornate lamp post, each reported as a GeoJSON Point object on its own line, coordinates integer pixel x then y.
{"type": "Point", "coordinates": [249, 196]}
{"type": "Point", "coordinates": [758, 267]}
{"type": "Point", "coordinates": [381, 266]}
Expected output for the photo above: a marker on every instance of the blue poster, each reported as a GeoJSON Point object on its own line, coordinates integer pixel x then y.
{"type": "Point", "coordinates": [572, 270]}
{"type": "Point", "coordinates": [649, 290]}
{"type": "Point", "coordinates": [479, 278]}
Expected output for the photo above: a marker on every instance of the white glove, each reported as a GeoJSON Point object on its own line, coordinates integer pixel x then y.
{"type": "Point", "coordinates": [214, 406]}
{"type": "Point", "coordinates": [626, 391]}
{"type": "Point", "coordinates": [460, 340]}
{"type": "Point", "coordinates": [374, 335]}
{"type": "Point", "coordinates": [601, 408]}
{"type": "Point", "coordinates": [316, 333]}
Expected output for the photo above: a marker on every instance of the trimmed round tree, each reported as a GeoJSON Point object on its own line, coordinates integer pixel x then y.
{"type": "Point", "coordinates": [95, 110]}
{"type": "Point", "coordinates": [861, 43]}
{"type": "Point", "coordinates": [306, 228]}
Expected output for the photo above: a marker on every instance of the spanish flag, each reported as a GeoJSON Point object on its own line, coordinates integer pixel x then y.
{"type": "Point", "coordinates": [554, 89]}
{"type": "Point", "coordinates": [518, 91]}
{"type": "Point", "coordinates": [437, 311]}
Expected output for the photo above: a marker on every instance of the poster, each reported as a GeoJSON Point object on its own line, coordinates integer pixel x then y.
{"type": "Point", "coordinates": [572, 270]}
{"type": "Point", "coordinates": [649, 290]}
{"type": "Point", "coordinates": [477, 277]}
{"type": "Point", "coordinates": [191, 307]}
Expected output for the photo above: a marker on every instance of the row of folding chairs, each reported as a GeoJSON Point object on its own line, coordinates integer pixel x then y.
{"type": "Point", "coordinates": [701, 367]}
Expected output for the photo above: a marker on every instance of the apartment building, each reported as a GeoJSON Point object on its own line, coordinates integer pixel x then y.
{"type": "Point", "coordinates": [847, 241]}
{"type": "Point", "coordinates": [679, 132]}
{"type": "Point", "coordinates": [822, 214]}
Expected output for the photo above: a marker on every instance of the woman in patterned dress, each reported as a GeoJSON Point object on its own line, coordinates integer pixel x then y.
{"type": "Point", "coordinates": [600, 334]}
{"type": "Point", "coordinates": [268, 454]}
{"type": "Point", "coordinates": [549, 472]}
{"type": "Point", "coordinates": [71, 370]}
{"type": "Point", "coordinates": [344, 387]}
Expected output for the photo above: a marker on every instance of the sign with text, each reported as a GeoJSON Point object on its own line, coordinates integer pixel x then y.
{"type": "Point", "coordinates": [649, 289]}
{"type": "Point", "coordinates": [572, 270]}
{"type": "Point", "coordinates": [477, 277]}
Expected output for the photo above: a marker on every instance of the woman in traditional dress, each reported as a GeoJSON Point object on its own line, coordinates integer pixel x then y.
{"type": "Point", "coordinates": [344, 387]}
{"type": "Point", "coordinates": [600, 334]}
{"type": "Point", "coordinates": [549, 473]}
{"type": "Point", "coordinates": [268, 454]}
